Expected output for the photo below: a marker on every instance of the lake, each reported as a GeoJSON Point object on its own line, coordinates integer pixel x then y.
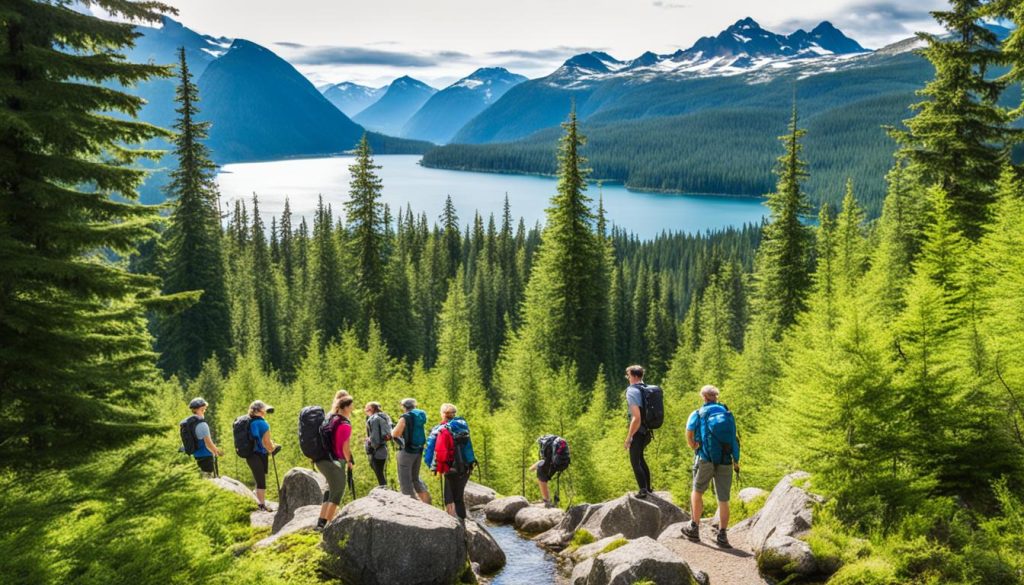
{"type": "Point", "coordinates": [406, 182]}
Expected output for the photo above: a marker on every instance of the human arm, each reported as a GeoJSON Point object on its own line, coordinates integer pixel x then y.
{"type": "Point", "coordinates": [634, 424]}
{"type": "Point", "coordinates": [268, 443]}
{"type": "Point", "coordinates": [342, 442]}
{"type": "Point", "coordinates": [211, 446]}
{"type": "Point", "coordinates": [399, 430]}
{"type": "Point", "coordinates": [691, 431]}
{"type": "Point", "coordinates": [691, 440]}
{"type": "Point", "coordinates": [428, 452]}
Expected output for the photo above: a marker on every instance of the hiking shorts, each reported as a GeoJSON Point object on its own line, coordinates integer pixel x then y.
{"type": "Point", "coordinates": [543, 473]}
{"type": "Point", "coordinates": [334, 473]}
{"type": "Point", "coordinates": [705, 471]}
{"type": "Point", "coordinates": [205, 464]}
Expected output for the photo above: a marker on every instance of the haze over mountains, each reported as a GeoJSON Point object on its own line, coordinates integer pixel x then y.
{"type": "Point", "coordinates": [352, 98]}
{"type": "Point", "coordinates": [403, 98]}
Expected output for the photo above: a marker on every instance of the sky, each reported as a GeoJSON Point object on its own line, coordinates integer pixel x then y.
{"type": "Point", "coordinates": [441, 41]}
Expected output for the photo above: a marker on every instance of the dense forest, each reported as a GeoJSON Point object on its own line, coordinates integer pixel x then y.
{"type": "Point", "coordinates": [885, 357]}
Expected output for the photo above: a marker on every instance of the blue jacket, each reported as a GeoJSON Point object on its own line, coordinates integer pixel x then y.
{"type": "Point", "coordinates": [456, 425]}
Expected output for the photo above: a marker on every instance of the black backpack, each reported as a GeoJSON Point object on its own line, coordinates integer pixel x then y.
{"type": "Point", "coordinates": [189, 441]}
{"type": "Point", "coordinates": [652, 407]}
{"type": "Point", "coordinates": [311, 440]}
{"type": "Point", "coordinates": [554, 450]}
{"type": "Point", "coordinates": [245, 444]}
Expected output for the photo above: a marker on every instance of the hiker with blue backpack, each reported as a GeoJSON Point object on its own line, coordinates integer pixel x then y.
{"type": "Point", "coordinates": [646, 413]}
{"type": "Point", "coordinates": [711, 433]}
{"type": "Point", "coordinates": [410, 439]}
{"type": "Point", "coordinates": [449, 453]}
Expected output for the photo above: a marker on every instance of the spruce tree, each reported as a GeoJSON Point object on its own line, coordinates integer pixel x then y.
{"type": "Point", "coordinates": [452, 243]}
{"type": "Point", "coordinates": [73, 341]}
{"type": "Point", "coordinates": [957, 137]}
{"type": "Point", "coordinates": [365, 243]}
{"type": "Point", "coordinates": [193, 259]}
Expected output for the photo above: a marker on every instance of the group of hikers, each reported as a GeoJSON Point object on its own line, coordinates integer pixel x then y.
{"type": "Point", "coordinates": [447, 450]}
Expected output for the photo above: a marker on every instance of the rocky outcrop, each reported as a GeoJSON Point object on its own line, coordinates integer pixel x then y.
{"type": "Point", "coordinates": [478, 495]}
{"type": "Point", "coordinates": [302, 519]}
{"type": "Point", "coordinates": [670, 512]}
{"type": "Point", "coordinates": [536, 519]}
{"type": "Point", "coordinates": [750, 494]}
{"type": "Point", "coordinates": [641, 559]}
{"type": "Point", "coordinates": [261, 519]}
{"type": "Point", "coordinates": [484, 551]}
{"type": "Point", "coordinates": [776, 529]}
{"type": "Point", "coordinates": [387, 538]}
{"type": "Point", "coordinates": [505, 509]}
{"type": "Point", "coordinates": [234, 486]}
{"type": "Point", "coordinates": [560, 536]}
{"type": "Point", "coordinates": [591, 550]}
{"type": "Point", "coordinates": [301, 487]}
{"type": "Point", "coordinates": [627, 515]}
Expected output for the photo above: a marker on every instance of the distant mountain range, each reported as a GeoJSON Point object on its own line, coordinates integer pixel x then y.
{"type": "Point", "coordinates": [352, 98]}
{"type": "Point", "coordinates": [403, 98]}
{"type": "Point", "coordinates": [449, 109]}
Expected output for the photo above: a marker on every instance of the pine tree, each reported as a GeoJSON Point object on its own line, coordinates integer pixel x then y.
{"type": "Point", "coordinates": [193, 259]}
{"type": "Point", "coordinates": [366, 235]}
{"type": "Point", "coordinates": [452, 243]}
{"type": "Point", "coordinates": [326, 296]}
{"type": "Point", "coordinates": [73, 342]}
{"type": "Point", "coordinates": [851, 245]}
{"type": "Point", "coordinates": [956, 138]}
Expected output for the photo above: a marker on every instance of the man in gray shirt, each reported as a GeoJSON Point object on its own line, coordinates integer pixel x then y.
{"type": "Point", "coordinates": [638, 437]}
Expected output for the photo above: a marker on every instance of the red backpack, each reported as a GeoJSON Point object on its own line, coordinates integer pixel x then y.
{"type": "Point", "coordinates": [444, 450]}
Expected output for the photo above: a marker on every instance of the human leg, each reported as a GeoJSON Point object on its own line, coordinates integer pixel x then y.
{"type": "Point", "coordinates": [258, 464]}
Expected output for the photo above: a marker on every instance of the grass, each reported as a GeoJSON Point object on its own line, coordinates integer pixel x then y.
{"type": "Point", "coordinates": [580, 538]}
{"type": "Point", "coordinates": [617, 543]}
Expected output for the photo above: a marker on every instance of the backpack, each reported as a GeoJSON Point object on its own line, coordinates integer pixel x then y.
{"type": "Point", "coordinates": [454, 450]}
{"type": "Point", "coordinates": [189, 440]}
{"type": "Point", "coordinates": [554, 450]}
{"type": "Point", "coordinates": [311, 439]}
{"type": "Point", "coordinates": [245, 444]}
{"type": "Point", "coordinates": [414, 435]}
{"type": "Point", "coordinates": [652, 407]}
{"type": "Point", "coordinates": [716, 430]}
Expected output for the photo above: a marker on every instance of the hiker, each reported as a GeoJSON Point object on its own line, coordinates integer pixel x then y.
{"type": "Point", "coordinates": [378, 433]}
{"type": "Point", "coordinates": [410, 440]}
{"type": "Point", "coordinates": [199, 439]}
{"type": "Point", "coordinates": [449, 453]}
{"type": "Point", "coordinates": [639, 435]}
{"type": "Point", "coordinates": [554, 459]}
{"type": "Point", "coordinates": [711, 433]}
{"type": "Point", "coordinates": [263, 447]}
{"type": "Point", "coordinates": [338, 430]}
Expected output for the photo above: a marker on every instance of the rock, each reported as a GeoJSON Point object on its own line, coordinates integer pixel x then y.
{"type": "Point", "coordinates": [386, 538]}
{"type": "Point", "coordinates": [478, 495]}
{"type": "Point", "coordinates": [535, 519]}
{"type": "Point", "coordinates": [581, 572]}
{"type": "Point", "coordinates": [775, 531]}
{"type": "Point", "coordinates": [261, 519]}
{"type": "Point", "coordinates": [750, 494]}
{"type": "Point", "coordinates": [561, 535]}
{"type": "Point", "coordinates": [593, 549]}
{"type": "Point", "coordinates": [233, 485]}
{"type": "Point", "coordinates": [626, 515]}
{"type": "Point", "coordinates": [505, 509]}
{"type": "Point", "coordinates": [701, 578]}
{"type": "Point", "coordinates": [301, 487]}
{"type": "Point", "coordinates": [483, 549]}
{"type": "Point", "coordinates": [641, 559]}
{"type": "Point", "coordinates": [302, 519]}
{"type": "Point", "coordinates": [670, 512]}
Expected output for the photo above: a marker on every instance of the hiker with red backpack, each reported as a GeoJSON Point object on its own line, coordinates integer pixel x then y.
{"type": "Point", "coordinates": [325, 439]}
{"type": "Point", "coordinates": [554, 459]}
{"type": "Point", "coordinates": [711, 433]}
{"type": "Point", "coordinates": [449, 453]}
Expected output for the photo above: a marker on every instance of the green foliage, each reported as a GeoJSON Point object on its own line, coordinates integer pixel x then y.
{"type": "Point", "coordinates": [617, 543]}
{"type": "Point", "coordinates": [581, 537]}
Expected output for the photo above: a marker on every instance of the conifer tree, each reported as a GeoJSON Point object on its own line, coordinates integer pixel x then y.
{"type": "Point", "coordinates": [956, 139]}
{"type": "Point", "coordinates": [366, 234]}
{"type": "Point", "coordinates": [193, 259]}
{"type": "Point", "coordinates": [452, 242]}
{"type": "Point", "coordinates": [851, 246]}
{"type": "Point", "coordinates": [73, 342]}
{"type": "Point", "coordinates": [326, 297]}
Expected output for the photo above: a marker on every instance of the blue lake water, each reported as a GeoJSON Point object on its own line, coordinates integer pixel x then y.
{"type": "Point", "coordinates": [406, 182]}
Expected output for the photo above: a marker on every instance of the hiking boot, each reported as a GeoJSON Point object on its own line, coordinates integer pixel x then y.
{"type": "Point", "coordinates": [262, 508]}
{"type": "Point", "coordinates": [641, 494]}
{"type": "Point", "coordinates": [722, 540]}
{"type": "Point", "coordinates": [691, 531]}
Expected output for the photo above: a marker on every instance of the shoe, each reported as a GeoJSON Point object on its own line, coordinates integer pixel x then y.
{"type": "Point", "coordinates": [722, 540]}
{"type": "Point", "coordinates": [641, 494]}
{"type": "Point", "coordinates": [691, 531]}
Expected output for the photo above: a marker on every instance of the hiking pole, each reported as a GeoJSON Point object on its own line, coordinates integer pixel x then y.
{"type": "Point", "coordinates": [273, 457]}
{"type": "Point", "coordinates": [558, 488]}
{"type": "Point", "coordinates": [216, 466]}
{"type": "Point", "coordinates": [352, 484]}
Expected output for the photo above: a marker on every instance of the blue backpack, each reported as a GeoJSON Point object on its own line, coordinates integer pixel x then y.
{"type": "Point", "coordinates": [716, 431]}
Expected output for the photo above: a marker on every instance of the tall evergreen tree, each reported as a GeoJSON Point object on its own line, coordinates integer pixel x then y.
{"type": "Point", "coordinates": [957, 137]}
{"type": "Point", "coordinates": [365, 243]}
{"type": "Point", "coordinates": [193, 259]}
{"type": "Point", "coordinates": [73, 342]}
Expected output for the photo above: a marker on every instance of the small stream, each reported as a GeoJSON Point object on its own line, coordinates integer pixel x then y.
{"type": "Point", "coordinates": [525, 562]}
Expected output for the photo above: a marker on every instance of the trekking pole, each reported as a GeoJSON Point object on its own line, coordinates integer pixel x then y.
{"type": "Point", "coordinates": [558, 488]}
{"type": "Point", "coordinates": [273, 457]}
{"type": "Point", "coordinates": [216, 466]}
{"type": "Point", "coordinates": [352, 484]}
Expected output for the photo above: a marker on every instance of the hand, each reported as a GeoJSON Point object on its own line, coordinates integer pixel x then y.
{"type": "Point", "coordinates": [736, 466]}
{"type": "Point", "coordinates": [277, 449]}
{"type": "Point", "coordinates": [219, 451]}
{"type": "Point", "coordinates": [627, 443]}
{"type": "Point", "coordinates": [351, 465]}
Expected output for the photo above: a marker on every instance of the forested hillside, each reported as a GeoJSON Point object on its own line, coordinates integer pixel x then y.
{"type": "Point", "coordinates": [885, 357]}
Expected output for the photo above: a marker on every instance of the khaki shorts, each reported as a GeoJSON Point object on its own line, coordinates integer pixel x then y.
{"type": "Point", "coordinates": [705, 471]}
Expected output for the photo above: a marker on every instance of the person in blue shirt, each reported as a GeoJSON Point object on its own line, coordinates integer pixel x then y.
{"type": "Point", "coordinates": [258, 462]}
{"type": "Point", "coordinates": [708, 465]}
{"type": "Point", "coordinates": [207, 448]}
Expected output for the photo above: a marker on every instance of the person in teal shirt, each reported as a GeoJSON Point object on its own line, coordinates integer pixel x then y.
{"type": "Point", "coordinates": [258, 462]}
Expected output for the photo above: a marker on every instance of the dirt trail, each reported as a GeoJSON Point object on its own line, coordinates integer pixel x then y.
{"type": "Point", "coordinates": [735, 566]}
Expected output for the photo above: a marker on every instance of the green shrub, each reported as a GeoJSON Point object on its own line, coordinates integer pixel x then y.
{"type": "Point", "coordinates": [618, 542]}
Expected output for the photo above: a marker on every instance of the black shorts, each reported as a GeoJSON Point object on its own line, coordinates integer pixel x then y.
{"type": "Point", "coordinates": [205, 464]}
{"type": "Point", "coordinates": [544, 473]}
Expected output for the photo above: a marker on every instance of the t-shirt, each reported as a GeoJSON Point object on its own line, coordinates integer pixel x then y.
{"type": "Point", "coordinates": [202, 431]}
{"type": "Point", "coordinates": [259, 427]}
{"type": "Point", "coordinates": [634, 397]}
{"type": "Point", "coordinates": [342, 433]}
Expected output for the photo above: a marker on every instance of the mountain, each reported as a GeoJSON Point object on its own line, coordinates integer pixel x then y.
{"type": "Point", "coordinates": [403, 98]}
{"type": "Point", "coordinates": [352, 98]}
{"type": "Point", "coordinates": [449, 109]}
